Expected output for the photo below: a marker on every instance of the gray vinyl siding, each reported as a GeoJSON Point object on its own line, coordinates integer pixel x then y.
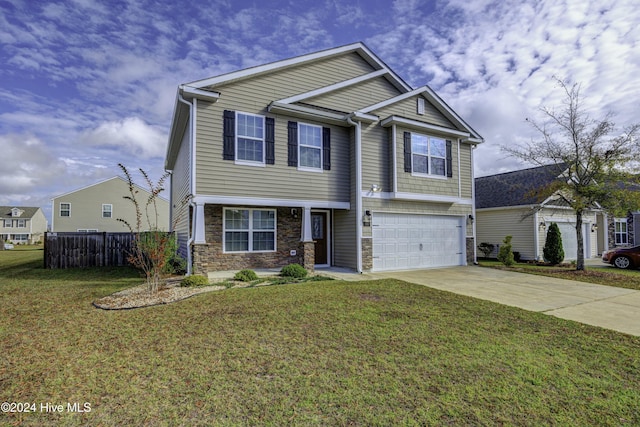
{"type": "Point", "coordinates": [356, 97]}
{"type": "Point", "coordinates": [466, 169]}
{"type": "Point", "coordinates": [492, 226]}
{"type": "Point", "coordinates": [344, 240]}
{"type": "Point", "coordinates": [259, 90]}
{"type": "Point", "coordinates": [215, 176]}
{"type": "Point", "coordinates": [407, 108]}
{"type": "Point", "coordinates": [180, 188]}
{"type": "Point", "coordinates": [376, 160]}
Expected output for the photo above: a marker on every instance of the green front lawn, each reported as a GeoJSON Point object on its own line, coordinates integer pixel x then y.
{"type": "Point", "coordinates": [321, 353]}
{"type": "Point", "coordinates": [601, 275]}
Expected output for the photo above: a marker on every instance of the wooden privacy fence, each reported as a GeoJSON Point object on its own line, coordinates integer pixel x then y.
{"type": "Point", "coordinates": [68, 250]}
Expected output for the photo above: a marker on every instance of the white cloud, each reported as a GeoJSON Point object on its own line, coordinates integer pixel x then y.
{"type": "Point", "coordinates": [130, 136]}
{"type": "Point", "coordinates": [27, 165]}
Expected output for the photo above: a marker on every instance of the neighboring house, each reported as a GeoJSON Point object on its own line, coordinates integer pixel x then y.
{"type": "Point", "coordinates": [99, 206]}
{"type": "Point", "coordinates": [326, 159]}
{"type": "Point", "coordinates": [508, 204]}
{"type": "Point", "coordinates": [22, 224]}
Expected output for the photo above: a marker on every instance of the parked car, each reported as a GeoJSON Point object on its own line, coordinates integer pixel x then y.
{"type": "Point", "coordinates": [8, 246]}
{"type": "Point", "coordinates": [623, 257]}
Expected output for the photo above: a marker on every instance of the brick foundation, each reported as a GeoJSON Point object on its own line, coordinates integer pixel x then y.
{"type": "Point", "coordinates": [211, 257]}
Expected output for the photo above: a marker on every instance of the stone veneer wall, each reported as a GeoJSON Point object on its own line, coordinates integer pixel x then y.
{"type": "Point", "coordinates": [367, 254]}
{"type": "Point", "coordinates": [611, 231]}
{"type": "Point", "coordinates": [471, 243]}
{"type": "Point", "coordinates": [210, 256]}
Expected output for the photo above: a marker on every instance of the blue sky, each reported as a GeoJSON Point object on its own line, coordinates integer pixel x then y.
{"type": "Point", "coordinates": [86, 84]}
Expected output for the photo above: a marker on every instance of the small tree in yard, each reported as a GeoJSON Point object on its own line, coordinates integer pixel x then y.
{"type": "Point", "coordinates": [595, 163]}
{"type": "Point", "coordinates": [154, 250]}
{"type": "Point", "coordinates": [505, 254]}
{"type": "Point", "coordinates": [553, 251]}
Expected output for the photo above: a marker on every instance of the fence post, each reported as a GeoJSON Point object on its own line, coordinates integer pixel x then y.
{"type": "Point", "coordinates": [45, 250]}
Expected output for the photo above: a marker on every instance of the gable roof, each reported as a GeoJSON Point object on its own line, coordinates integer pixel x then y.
{"type": "Point", "coordinates": [359, 48]}
{"type": "Point", "coordinates": [27, 211]}
{"type": "Point", "coordinates": [102, 182]}
{"type": "Point", "coordinates": [205, 89]}
{"type": "Point", "coordinates": [515, 188]}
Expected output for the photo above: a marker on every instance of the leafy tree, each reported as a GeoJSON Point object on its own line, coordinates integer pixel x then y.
{"type": "Point", "coordinates": [596, 163]}
{"type": "Point", "coordinates": [505, 254]}
{"type": "Point", "coordinates": [154, 250]}
{"type": "Point", "coordinates": [553, 251]}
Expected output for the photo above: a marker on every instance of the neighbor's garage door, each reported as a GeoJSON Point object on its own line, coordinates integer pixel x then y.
{"type": "Point", "coordinates": [407, 241]}
{"type": "Point", "coordinates": [569, 239]}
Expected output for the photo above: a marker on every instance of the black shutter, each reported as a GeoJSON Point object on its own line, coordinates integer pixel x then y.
{"type": "Point", "coordinates": [326, 149]}
{"type": "Point", "coordinates": [229, 135]}
{"type": "Point", "coordinates": [270, 140]}
{"type": "Point", "coordinates": [449, 160]}
{"type": "Point", "coordinates": [407, 151]}
{"type": "Point", "coordinates": [293, 143]}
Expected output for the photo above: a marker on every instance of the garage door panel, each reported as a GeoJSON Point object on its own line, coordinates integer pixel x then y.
{"type": "Point", "coordinates": [406, 241]}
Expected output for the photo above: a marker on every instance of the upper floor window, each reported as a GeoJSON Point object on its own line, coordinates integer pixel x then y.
{"type": "Point", "coordinates": [427, 155]}
{"type": "Point", "coordinates": [309, 146]}
{"type": "Point", "coordinates": [107, 209]}
{"type": "Point", "coordinates": [621, 231]}
{"type": "Point", "coordinates": [248, 138]}
{"type": "Point", "coordinates": [22, 223]}
{"type": "Point", "coordinates": [8, 223]}
{"type": "Point", "coordinates": [65, 209]}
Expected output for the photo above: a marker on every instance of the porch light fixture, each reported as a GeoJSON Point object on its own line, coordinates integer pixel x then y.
{"type": "Point", "coordinates": [366, 218]}
{"type": "Point", "coordinates": [594, 228]}
{"type": "Point", "coordinates": [543, 225]}
{"type": "Point", "coordinates": [375, 188]}
{"type": "Point", "coordinates": [294, 213]}
{"type": "Point", "coordinates": [471, 218]}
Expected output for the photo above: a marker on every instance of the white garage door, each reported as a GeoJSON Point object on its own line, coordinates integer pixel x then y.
{"type": "Point", "coordinates": [406, 241]}
{"type": "Point", "coordinates": [569, 239]}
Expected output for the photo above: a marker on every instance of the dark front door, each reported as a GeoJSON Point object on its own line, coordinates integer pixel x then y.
{"type": "Point", "coordinates": [319, 235]}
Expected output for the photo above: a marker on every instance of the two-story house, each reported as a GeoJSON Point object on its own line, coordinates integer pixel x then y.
{"type": "Point", "coordinates": [326, 159]}
{"type": "Point", "coordinates": [98, 207]}
{"type": "Point", "coordinates": [22, 225]}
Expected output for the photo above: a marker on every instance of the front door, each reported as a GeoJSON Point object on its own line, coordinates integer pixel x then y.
{"type": "Point", "coordinates": [319, 235]}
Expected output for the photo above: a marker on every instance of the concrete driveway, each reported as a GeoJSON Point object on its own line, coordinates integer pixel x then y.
{"type": "Point", "coordinates": [605, 306]}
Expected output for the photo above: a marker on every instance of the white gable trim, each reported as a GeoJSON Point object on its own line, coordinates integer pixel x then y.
{"type": "Point", "coordinates": [359, 47]}
{"type": "Point", "coordinates": [396, 120]}
{"type": "Point", "coordinates": [434, 99]}
{"type": "Point", "coordinates": [333, 87]}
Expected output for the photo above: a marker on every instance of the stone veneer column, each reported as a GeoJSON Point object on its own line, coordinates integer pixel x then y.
{"type": "Point", "coordinates": [367, 254]}
{"type": "Point", "coordinates": [309, 256]}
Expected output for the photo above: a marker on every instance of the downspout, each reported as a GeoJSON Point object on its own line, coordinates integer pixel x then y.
{"type": "Point", "coordinates": [473, 206]}
{"type": "Point", "coordinates": [191, 186]}
{"type": "Point", "coordinates": [358, 149]}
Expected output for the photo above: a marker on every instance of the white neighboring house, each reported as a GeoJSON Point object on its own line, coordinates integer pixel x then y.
{"type": "Point", "coordinates": [22, 225]}
{"type": "Point", "coordinates": [508, 204]}
{"type": "Point", "coordinates": [98, 207]}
